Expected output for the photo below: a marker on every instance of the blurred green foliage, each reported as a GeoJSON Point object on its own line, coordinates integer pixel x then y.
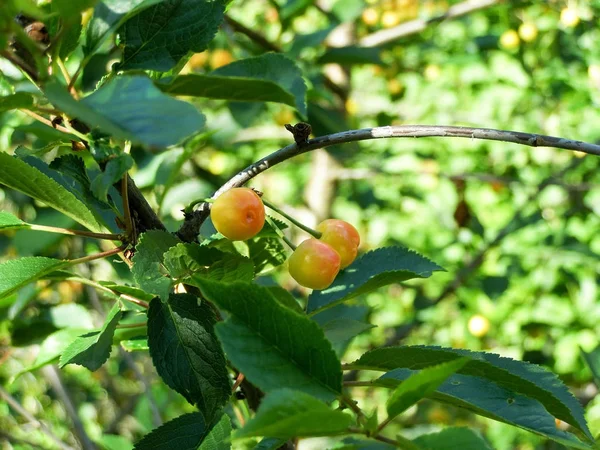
{"type": "Point", "coordinates": [531, 215]}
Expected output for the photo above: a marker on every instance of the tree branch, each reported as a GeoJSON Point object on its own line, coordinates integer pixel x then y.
{"type": "Point", "coordinates": [191, 226]}
{"type": "Point", "coordinates": [416, 26]}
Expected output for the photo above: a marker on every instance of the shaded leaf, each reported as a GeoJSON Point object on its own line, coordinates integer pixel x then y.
{"type": "Point", "coordinates": [286, 413]}
{"type": "Point", "coordinates": [139, 344]}
{"type": "Point", "coordinates": [521, 377]}
{"type": "Point", "coordinates": [219, 437]}
{"type": "Point", "coordinates": [22, 177]}
{"type": "Point", "coordinates": [113, 172]}
{"type": "Point", "coordinates": [16, 101]}
{"type": "Point", "coordinates": [158, 37]}
{"type": "Point", "coordinates": [188, 262]}
{"type": "Point", "coordinates": [91, 350]}
{"type": "Point", "coordinates": [487, 399]}
{"type": "Point", "coordinates": [182, 433]}
{"type": "Point", "coordinates": [266, 253]}
{"type": "Point", "coordinates": [371, 271]}
{"type": "Point", "coordinates": [109, 15]}
{"type": "Point", "coordinates": [288, 349]}
{"type": "Point", "coordinates": [148, 269]}
{"type": "Point", "coordinates": [131, 107]}
{"type": "Point", "coordinates": [271, 77]}
{"type": "Point", "coordinates": [454, 438]}
{"type": "Point", "coordinates": [186, 352]}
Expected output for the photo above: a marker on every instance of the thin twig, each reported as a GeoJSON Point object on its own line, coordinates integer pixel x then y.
{"type": "Point", "coordinates": [253, 35]}
{"type": "Point", "coordinates": [399, 442]}
{"type": "Point", "coordinates": [49, 229]}
{"type": "Point", "coordinates": [65, 73]}
{"type": "Point", "coordinates": [190, 228]}
{"type": "Point", "coordinates": [100, 255]}
{"type": "Point", "coordinates": [45, 121]}
{"type": "Point", "coordinates": [416, 26]}
{"type": "Point", "coordinates": [14, 404]}
{"type": "Point", "coordinates": [134, 300]}
{"type": "Point", "coordinates": [53, 377]}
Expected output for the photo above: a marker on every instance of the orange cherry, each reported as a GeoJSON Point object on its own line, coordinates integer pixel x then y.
{"type": "Point", "coordinates": [314, 264]}
{"type": "Point", "coordinates": [238, 214]}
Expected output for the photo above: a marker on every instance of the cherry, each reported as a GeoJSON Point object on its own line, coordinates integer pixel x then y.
{"type": "Point", "coordinates": [314, 264]}
{"type": "Point", "coordinates": [238, 214]}
{"type": "Point", "coordinates": [343, 237]}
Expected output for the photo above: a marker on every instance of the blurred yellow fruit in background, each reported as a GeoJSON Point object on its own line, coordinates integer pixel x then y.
{"type": "Point", "coordinates": [569, 17]}
{"type": "Point", "coordinates": [478, 325]}
{"type": "Point", "coordinates": [390, 19]}
{"type": "Point", "coordinates": [220, 57]}
{"type": "Point", "coordinates": [528, 31]}
{"type": "Point", "coordinates": [510, 40]}
{"type": "Point", "coordinates": [370, 16]}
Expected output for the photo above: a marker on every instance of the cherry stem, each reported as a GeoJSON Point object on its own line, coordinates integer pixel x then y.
{"type": "Point", "coordinates": [300, 225]}
{"type": "Point", "coordinates": [106, 236]}
{"type": "Point", "coordinates": [280, 233]}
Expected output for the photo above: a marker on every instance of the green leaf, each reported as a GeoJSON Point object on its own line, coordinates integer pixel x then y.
{"type": "Point", "coordinates": [131, 107]}
{"type": "Point", "coordinates": [148, 269]}
{"type": "Point", "coordinates": [91, 350]}
{"type": "Point", "coordinates": [351, 55]}
{"type": "Point", "coordinates": [219, 437]}
{"type": "Point", "coordinates": [339, 331]}
{"type": "Point", "coordinates": [16, 101]}
{"type": "Point", "coordinates": [266, 253]}
{"type": "Point", "coordinates": [127, 290]}
{"type": "Point", "coordinates": [420, 385]}
{"type": "Point", "coordinates": [182, 433]}
{"type": "Point", "coordinates": [158, 37]}
{"type": "Point", "coordinates": [286, 413]}
{"type": "Point", "coordinates": [186, 352]}
{"type": "Point", "coordinates": [188, 262]}
{"type": "Point", "coordinates": [455, 438]}
{"type": "Point", "coordinates": [487, 399]}
{"type": "Point", "coordinates": [110, 15]}
{"type": "Point", "coordinates": [51, 348]}
{"type": "Point", "coordinates": [284, 297]}
{"type": "Point", "coordinates": [24, 178]}
{"type": "Point", "coordinates": [287, 349]}
{"type": "Point", "coordinates": [271, 77]}
{"type": "Point", "coordinates": [523, 378]}
{"type": "Point", "coordinates": [16, 273]}
{"type": "Point", "coordinates": [10, 222]}
{"type": "Point", "coordinates": [139, 344]}
{"type": "Point", "coordinates": [113, 172]}
{"type": "Point", "coordinates": [371, 271]}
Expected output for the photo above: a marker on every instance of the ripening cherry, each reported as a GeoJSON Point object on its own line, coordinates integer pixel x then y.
{"type": "Point", "coordinates": [343, 237]}
{"type": "Point", "coordinates": [314, 264]}
{"type": "Point", "coordinates": [238, 214]}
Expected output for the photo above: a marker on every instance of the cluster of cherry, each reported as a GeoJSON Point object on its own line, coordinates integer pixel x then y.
{"type": "Point", "coordinates": [239, 214]}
